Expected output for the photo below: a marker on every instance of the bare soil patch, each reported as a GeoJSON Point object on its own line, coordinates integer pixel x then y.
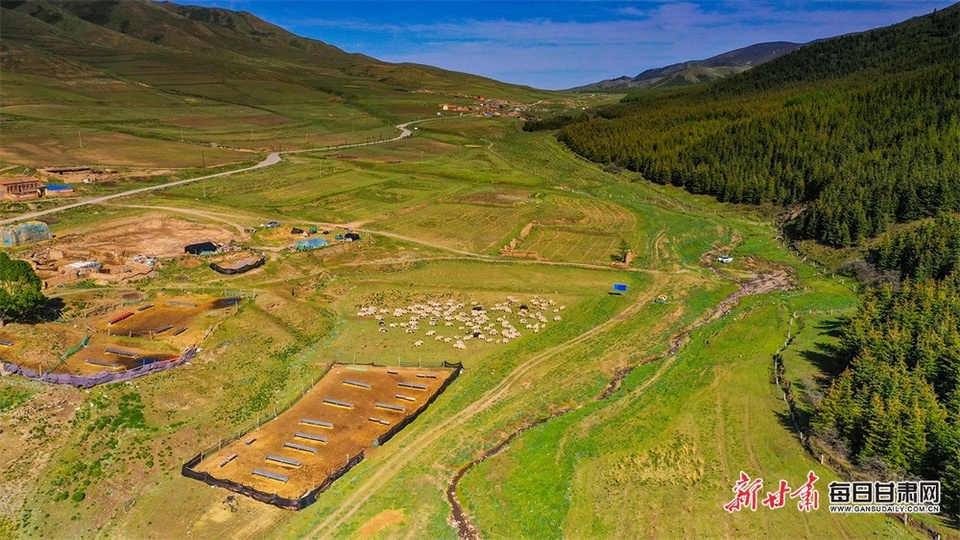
{"type": "Point", "coordinates": [122, 248]}
{"type": "Point", "coordinates": [155, 235]}
{"type": "Point", "coordinates": [497, 198]}
{"type": "Point", "coordinates": [381, 521]}
{"type": "Point", "coordinates": [148, 335]}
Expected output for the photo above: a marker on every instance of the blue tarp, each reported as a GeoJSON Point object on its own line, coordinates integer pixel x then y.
{"type": "Point", "coordinates": [311, 243]}
{"type": "Point", "coordinates": [24, 233]}
{"type": "Point", "coordinates": [619, 287]}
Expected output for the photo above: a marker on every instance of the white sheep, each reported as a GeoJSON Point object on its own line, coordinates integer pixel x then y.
{"type": "Point", "coordinates": [417, 343]}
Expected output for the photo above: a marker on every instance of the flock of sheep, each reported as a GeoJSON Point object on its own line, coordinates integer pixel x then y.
{"type": "Point", "coordinates": [471, 323]}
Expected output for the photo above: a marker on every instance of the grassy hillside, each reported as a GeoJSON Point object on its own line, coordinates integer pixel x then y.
{"type": "Point", "coordinates": [696, 71]}
{"type": "Point", "coordinates": [95, 82]}
{"type": "Point", "coordinates": [633, 413]}
{"type": "Point", "coordinates": [852, 133]}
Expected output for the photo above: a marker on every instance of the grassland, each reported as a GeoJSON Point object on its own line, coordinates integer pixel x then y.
{"type": "Point", "coordinates": [434, 212]}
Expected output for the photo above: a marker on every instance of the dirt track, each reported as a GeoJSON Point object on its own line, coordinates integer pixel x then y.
{"type": "Point", "coordinates": [394, 463]}
{"type": "Point", "coordinates": [759, 284]}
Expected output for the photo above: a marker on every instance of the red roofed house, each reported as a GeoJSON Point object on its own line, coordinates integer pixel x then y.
{"type": "Point", "coordinates": [19, 189]}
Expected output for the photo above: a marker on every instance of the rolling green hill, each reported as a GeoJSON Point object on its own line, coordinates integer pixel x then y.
{"type": "Point", "coordinates": [854, 133]}
{"type": "Point", "coordinates": [123, 75]}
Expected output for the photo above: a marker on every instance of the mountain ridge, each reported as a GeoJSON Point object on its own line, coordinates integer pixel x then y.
{"type": "Point", "coordinates": [697, 71]}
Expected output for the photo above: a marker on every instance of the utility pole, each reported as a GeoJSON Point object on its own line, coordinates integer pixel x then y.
{"type": "Point", "coordinates": [80, 137]}
{"type": "Point", "coordinates": [203, 159]}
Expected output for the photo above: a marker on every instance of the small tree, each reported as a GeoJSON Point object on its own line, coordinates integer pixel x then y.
{"type": "Point", "coordinates": [20, 289]}
{"type": "Point", "coordinates": [622, 251]}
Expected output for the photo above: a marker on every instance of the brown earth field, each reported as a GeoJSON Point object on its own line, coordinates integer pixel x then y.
{"type": "Point", "coordinates": [42, 348]}
{"type": "Point", "coordinates": [352, 431]}
{"type": "Point", "coordinates": [154, 235]}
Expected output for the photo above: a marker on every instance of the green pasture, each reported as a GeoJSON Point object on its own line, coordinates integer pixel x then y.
{"type": "Point", "coordinates": [669, 442]}
{"type": "Point", "coordinates": [629, 466]}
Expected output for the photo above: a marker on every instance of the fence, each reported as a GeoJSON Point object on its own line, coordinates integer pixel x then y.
{"type": "Point", "coordinates": [309, 497]}
{"type": "Point", "coordinates": [103, 377]}
{"type": "Point", "coordinates": [300, 503]}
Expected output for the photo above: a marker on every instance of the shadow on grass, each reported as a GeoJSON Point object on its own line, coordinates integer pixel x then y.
{"type": "Point", "coordinates": [49, 311]}
{"type": "Point", "coordinates": [826, 356]}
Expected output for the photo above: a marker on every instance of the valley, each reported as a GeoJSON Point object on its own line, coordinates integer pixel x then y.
{"type": "Point", "coordinates": [623, 349]}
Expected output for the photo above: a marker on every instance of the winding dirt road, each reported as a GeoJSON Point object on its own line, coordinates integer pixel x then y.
{"type": "Point", "coordinates": [270, 160]}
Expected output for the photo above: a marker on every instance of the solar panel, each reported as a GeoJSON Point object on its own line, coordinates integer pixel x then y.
{"type": "Point", "coordinates": [284, 461]}
{"type": "Point", "coordinates": [390, 407]}
{"type": "Point", "coordinates": [426, 376]}
{"type": "Point", "coordinates": [379, 421]}
{"type": "Point", "coordinates": [405, 398]}
{"type": "Point", "coordinates": [6, 343]}
{"type": "Point", "coordinates": [337, 403]}
{"type": "Point", "coordinates": [300, 447]}
{"type": "Point", "coordinates": [351, 382]}
{"type": "Point", "coordinates": [412, 385]}
{"type": "Point", "coordinates": [228, 460]}
{"type": "Point", "coordinates": [120, 352]}
{"type": "Point", "coordinates": [144, 308]}
{"type": "Point", "coordinates": [317, 423]}
{"type": "Point", "coordinates": [309, 437]}
{"type": "Point", "coordinates": [270, 475]}
{"type": "Point", "coordinates": [162, 330]}
{"type": "Point", "coordinates": [103, 363]}
{"type": "Point", "coordinates": [180, 331]}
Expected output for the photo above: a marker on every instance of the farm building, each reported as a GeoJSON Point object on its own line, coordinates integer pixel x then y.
{"type": "Point", "coordinates": [24, 233]}
{"type": "Point", "coordinates": [351, 237]}
{"type": "Point", "coordinates": [19, 189]}
{"type": "Point", "coordinates": [310, 243]}
{"type": "Point", "coordinates": [54, 190]}
{"type": "Point", "coordinates": [200, 248]}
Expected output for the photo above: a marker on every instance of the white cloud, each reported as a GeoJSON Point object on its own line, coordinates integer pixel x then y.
{"type": "Point", "coordinates": [549, 53]}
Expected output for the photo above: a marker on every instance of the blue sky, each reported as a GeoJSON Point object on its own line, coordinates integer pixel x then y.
{"type": "Point", "coordinates": [556, 45]}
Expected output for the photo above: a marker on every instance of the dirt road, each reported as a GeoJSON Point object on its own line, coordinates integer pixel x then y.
{"type": "Point", "coordinates": [272, 159]}
{"type": "Point", "coordinates": [395, 462]}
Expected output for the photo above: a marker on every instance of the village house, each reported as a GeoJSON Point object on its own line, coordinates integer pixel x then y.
{"type": "Point", "coordinates": [19, 189]}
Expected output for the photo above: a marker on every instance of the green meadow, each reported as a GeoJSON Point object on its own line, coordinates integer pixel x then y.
{"type": "Point", "coordinates": [435, 213]}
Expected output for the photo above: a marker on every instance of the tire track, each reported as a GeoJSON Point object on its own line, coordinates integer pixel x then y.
{"type": "Point", "coordinates": [466, 530]}
{"type": "Point", "coordinates": [392, 465]}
